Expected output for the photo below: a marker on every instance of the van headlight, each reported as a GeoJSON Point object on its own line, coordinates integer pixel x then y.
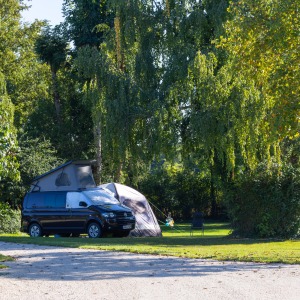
{"type": "Point", "coordinates": [109, 215]}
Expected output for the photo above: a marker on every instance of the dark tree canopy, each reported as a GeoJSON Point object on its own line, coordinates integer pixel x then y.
{"type": "Point", "coordinates": [82, 20]}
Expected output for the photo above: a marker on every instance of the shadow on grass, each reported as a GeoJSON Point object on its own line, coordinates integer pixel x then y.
{"type": "Point", "coordinates": [169, 241]}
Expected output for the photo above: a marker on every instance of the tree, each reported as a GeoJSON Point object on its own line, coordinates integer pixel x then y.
{"type": "Point", "coordinates": [136, 83]}
{"type": "Point", "coordinates": [122, 105]}
{"type": "Point", "coordinates": [38, 157]}
{"type": "Point", "coordinates": [18, 61]}
{"type": "Point", "coordinates": [82, 19]}
{"type": "Point", "coordinates": [8, 142]}
{"type": "Point", "coordinates": [10, 15]}
{"type": "Point", "coordinates": [51, 47]}
{"type": "Point", "coordinates": [263, 42]}
{"type": "Point", "coordinates": [190, 27]}
{"type": "Point", "coordinates": [86, 23]}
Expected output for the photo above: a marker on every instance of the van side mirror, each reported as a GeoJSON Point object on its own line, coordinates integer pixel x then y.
{"type": "Point", "coordinates": [83, 204]}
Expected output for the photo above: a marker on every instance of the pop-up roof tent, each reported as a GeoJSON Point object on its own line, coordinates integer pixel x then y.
{"type": "Point", "coordinates": [146, 222]}
{"type": "Point", "coordinates": [71, 176]}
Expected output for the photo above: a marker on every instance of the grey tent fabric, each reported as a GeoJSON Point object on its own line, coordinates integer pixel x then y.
{"type": "Point", "coordinates": [146, 222]}
{"type": "Point", "coordinates": [71, 176]}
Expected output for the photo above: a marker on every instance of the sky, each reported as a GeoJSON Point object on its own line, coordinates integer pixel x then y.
{"type": "Point", "coordinates": [44, 10]}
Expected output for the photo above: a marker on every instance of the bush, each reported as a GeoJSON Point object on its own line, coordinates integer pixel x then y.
{"type": "Point", "coordinates": [36, 157]}
{"type": "Point", "coordinates": [181, 192]}
{"type": "Point", "coordinates": [10, 219]}
{"type": "Point", "coordinates": [266, 204]}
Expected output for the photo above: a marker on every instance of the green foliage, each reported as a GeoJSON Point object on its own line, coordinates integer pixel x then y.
{"type": "Point", "coordinates": [36, 156]}
{"type": "Point", "coordinates": [262, 39]}
{"type": "Point", "coordinates": [83, 18]}
{"type": "Point", "coordinates": [179, 191]}
{"type": "Point", "coordinates": [121, 90]}
{"type": "Point", "coordinates": [25, 78]}
{"type": "Point", "coordinates": [262, 44]}
{"type": "Point", "coordinates": [8, 143]}
{"type": "Point", "coordinates": [10, 219]}
{"type": "Point", "coordinates": [51, 46]}
{"type": "Point", "coordinates": [266, 203]}
{"type": "Point", "coordinates": [73, 137]}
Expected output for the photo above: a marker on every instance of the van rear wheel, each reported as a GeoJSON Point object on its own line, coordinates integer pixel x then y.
{"type": "Point", "coordinates": [35, 230]}
{"type": "Point", "coordinates": [94, 230]}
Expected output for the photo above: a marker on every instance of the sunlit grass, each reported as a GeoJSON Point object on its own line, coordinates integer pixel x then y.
{"type": "Point", "coordinates": [214, 244]}
{"type": "Point", "coordinates": [4, 258]}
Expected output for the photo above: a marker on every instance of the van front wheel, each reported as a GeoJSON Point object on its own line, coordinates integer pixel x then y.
{"type": "Point", "coordinates": [35, 230]}
{"type": "Point", "coordinates": [94, 230]}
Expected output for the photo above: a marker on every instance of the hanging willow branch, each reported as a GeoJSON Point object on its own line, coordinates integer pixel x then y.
{"type": "Point", "coordinates": [120, 58]}
{"type": "Point", "coordinates": [168, 8]}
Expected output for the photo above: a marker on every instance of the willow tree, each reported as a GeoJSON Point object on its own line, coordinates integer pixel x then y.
{"type": "Point", "coordinates": [261, 106]}
{"type": "Point", "coordinates": [188, 27]}
{"type": "Point", "coordinates": [139, 117]}
{"type": "Point", "coordinates": [137, 79]}
{"type": "Point", "coordinates": [121, 86]}
{"type": "Point", "coordinates": [237, 104]}
{"type": "Point", "coordinates": [263, 42]}
{"type": "Point", "coordinates": [226, 114]}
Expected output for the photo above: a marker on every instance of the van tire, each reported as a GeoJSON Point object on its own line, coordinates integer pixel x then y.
{"type": "Point", "coordinates": [94, 230]}
{"type": "Point", "coordinates": [35, 230]}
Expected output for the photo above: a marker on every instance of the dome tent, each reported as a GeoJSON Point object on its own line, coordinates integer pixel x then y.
{"type": "Point", "coordinates": [146, 222]}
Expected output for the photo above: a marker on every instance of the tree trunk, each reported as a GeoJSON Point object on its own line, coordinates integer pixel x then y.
{"type": "Point", "coordinates": [120, 54]}
{"type": "Point", "coordinates": [56, 98]}
{"type": "Point", "coordinates": [98, 167]}
{"type": "Point", "coordinates": [214, 210]}
{"type": "Point", "coordinates": [118, 173]}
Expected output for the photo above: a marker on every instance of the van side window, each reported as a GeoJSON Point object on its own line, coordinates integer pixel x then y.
{"type": "Point", "coordinates": [46, 200]}
{"type": "Point", "coordinates": [60, 200]}
{"type": "Point", "coordinates": [74, 198]}
{"type": "Point", "coordinates": [49, 200]}
{"type": "Point", "coordinates": [55, 200]}
{"type": "Point", "coordinates": [35, 200]}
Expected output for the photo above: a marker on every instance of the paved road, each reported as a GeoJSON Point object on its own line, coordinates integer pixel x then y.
{"type": "Point", "coordinates": [41, 272]}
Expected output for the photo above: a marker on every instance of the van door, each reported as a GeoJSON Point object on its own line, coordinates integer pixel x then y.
{"type": "Point", "coordinates": [78, 213]}
{"type": "Point", "coordinates": [58, 214]}
{"type": "Point", "coordinates": [49, 209]}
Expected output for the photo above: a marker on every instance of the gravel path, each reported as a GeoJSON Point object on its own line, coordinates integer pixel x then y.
{"type": "Point", "coordinates": [41, 272]}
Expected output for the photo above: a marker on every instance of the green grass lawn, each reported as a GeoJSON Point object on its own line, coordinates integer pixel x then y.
{"type": "Point", "coordinates": [215, 244]}
{"type": "Point", "coordinates": [4, 258]}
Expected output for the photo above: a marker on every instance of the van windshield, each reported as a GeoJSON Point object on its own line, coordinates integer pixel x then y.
{"type": "Point", "coordinates": [100, 197]}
